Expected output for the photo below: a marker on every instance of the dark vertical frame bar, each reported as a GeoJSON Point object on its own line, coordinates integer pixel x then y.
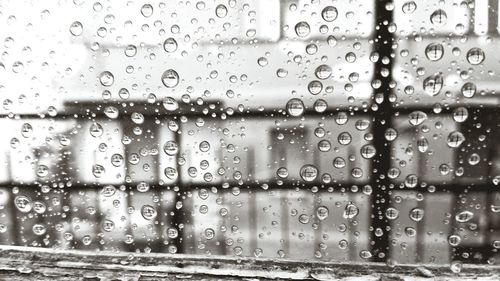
{"type": "Point", "coordinates": [382, 40]}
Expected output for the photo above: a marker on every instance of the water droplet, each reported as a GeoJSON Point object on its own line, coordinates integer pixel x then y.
{"type": "Point", "coordinates": [170, 45]}
{"type": "Point", "coordinates": [460, 114]}
{"type": "Point", "coordinates": [23, 203]}
{"type": "Point", "coordinates": [106, 78]}
{"type": "Point", "coordinates": [148, 212]}
{"type": "Point", "coordinates": [454, 240]}
{"type": "Point", "coordinates": [76, 28]}
{"type": "Point", "coordinates": [409, 7]}
{"type": "Point", "coordinates": [350, 211]}
{"type": "Point", "coordinates": [147, 10]}
{"type": "Point", "coordinates": [262, 61]}
{"type": "Point", "coordinates": [439, 18]}
{"type": "Point", "coordinates": [455, 139]}
{"type": "Point", "coordinates": [170, 104]}
{"type": "Point", "coordinates": [339, 162]}
{"type": "Point", "coordinates": [323, 72]}
{"type": "Point", "coordinates": [324, 146]}
{"type": "Point", "coordinates": [26, 130]}
{"type": "Point", "coordinates": [464, 216]}
{"type": "Point", "coordinates": [422, 144]}
{"type": "Point", "coordinates": [329, 13]}
{"type": "Point", "coordinates": [434, 51]}
{"type": "Point", "coordinates": [96, 130]}
{"type": "Point", "coordinates": [42, 171]}
{"type": "Point", "coordinates": [433, 84]}
{"type": "Point", "coordinates": [456, 266]}
{"type": "Point", "coordinates": [170, 78]}
{"type": "Point", "coordinates": [98, 170]}
{"type": "Point", "coordinates": [171, 148]}
{"type": "Point", "coordinates": [209, 233]}
{"type": "Point", "coordinates": [308, 172]}
{"type": "Point", "coordinates": [368, 151]}
{"type": "Point", "coordinates": [417, 214]}
{"type": "Point", "coordinates": [111, 112]}
{"type": "Point", "coordinates": [39, 229]}
{"type": "Point", "coordinates": [220, 11]}
{"type": "Point", "coordinates": [468, 90]}
{"type": "Point", "coordinates": [281, 72]}
{"type": "Point", "coordinates": [282, 172]}
{"type": "Point", "coordinates": [475, 56]}
{"type": "Point", "coordinates": [391, 213]}
{"type": "Point", "coordinates": [302, 29]}
{"type": "Point", "coordinates": [417, 117]}
{"type": "Point", "coordinates": [204, 146]}
{"type": "Point", "coordinates": [344, 138]}
{"type": "Point", "coordinates": [130, 51]}
{"type": "Point", "coordinates": [315, 87]}
{"type": "Point", "coordinates": [295, 107]}
{"type": "Point", "coordinates": [322, 212]}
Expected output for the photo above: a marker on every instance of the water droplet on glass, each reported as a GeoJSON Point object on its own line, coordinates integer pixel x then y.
{"type": "Point", "coordinates": [350, 211]}
{"type": "Point", "coordinates": [434, 51]}
{"type": "Point", "coordinates": [417, 117]}
{"type": "Point", "coordinates": [329, 13]}
{"type": "Point", "coordinates": [26, 130]}
{"type": "Point", "coordinates": [147, 10]}
{"type": "Point", "coordinates": [322, 212]}
{"type": "Point", "coordinates": [106, 78]}
{"type": "Point", "coordinates": [439, 18]}
{"type": "Point", "coordinates": [96, 130]}
{"type": "Point", "coordinates": [220, 11]}
{"type": "Point", "coordinates": [23, 203]}
{"type": "Point", "coordinates": [460, 114]}
{"type": "Point", "coordinates": [464, 216]}
{"type": "Point", "coordinates": [170, 78]}
{"type": "Point", "coordinates": [170, 45]}
{"type": "Point", "coordinates": [468, 90]}
{"type": "Point", "coordinates": [368, 151]}
{"type": "Point", "coordinates": [455, 139]}
{"type": "Point", "coordinates": [323, 72]}
{"type": "Point", "coordinates": [111, 112]}
{"type": "Point", "coordinates": [391, 213]}
{"type": "Point", "coordinates": [170, 104]}
{"type": "Point", "coordinates": [302, 29]}
{"type": "Point", "coordinates": [432, 85]}
{"type": "Point", "coordinates": [315, 87]}
{"type": "Point", "coordinates": [295, 107]}
{"type": "Point", "coordinates": [308, 172]}
{"type": "Point", "coordinates": [42, 171]}
{"type": "Point", "coordinates": [171, 148]}
{"type": "Point", "coordinates": [76, 28]}
{"type": "Point", "coordinates": [417, 214]}
{"type": "Point", "coordinates": [475, 56]}
{"type": "Point", "coordinates": [409, 7]}
{"type": "Point", "coordinates": [148, 212]}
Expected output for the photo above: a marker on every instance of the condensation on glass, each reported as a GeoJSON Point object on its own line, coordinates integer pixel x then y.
{"type": "Point", "coordinates": [318, 130]}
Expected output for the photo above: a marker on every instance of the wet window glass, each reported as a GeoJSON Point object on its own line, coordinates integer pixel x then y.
{"type": "Point", "coordinates": [341, 131]}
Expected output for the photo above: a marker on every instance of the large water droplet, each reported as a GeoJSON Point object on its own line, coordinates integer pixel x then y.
{"type": "Point", "coordinates": [434, 51]}
{"type": "Point", "coordinates": [433, 84]}
{"type": "Point", "coordinates": [475, 56]}
{"type": "Point", "coordinates": [170, 78]}
{"type": "Point", "coordinates": [302, 29]}
{"type": "Point", "coordinates": [170, 45]}
{"type": "Point", "coordinates": [106, 78]}
{"type": "Point", "coordinates": [329, 13]}
{"type": "Point", "coordinates": [295, 107]}
{"type": "Point", "coordinates": [308, 172]}
{"type": "Point", "coordinates": [76, 28]}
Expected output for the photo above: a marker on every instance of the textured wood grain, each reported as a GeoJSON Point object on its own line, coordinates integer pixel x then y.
{"type": "Point", "coordinates": [22, 263]}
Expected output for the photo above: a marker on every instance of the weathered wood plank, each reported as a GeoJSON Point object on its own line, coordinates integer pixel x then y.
{"type": "Point", "coordinates": [26, 263]}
